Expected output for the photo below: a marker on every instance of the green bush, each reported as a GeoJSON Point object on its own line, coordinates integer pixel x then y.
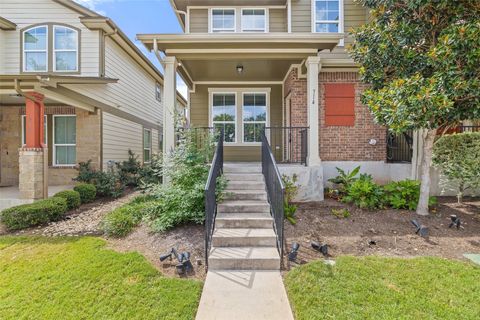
{"type": "Point", "coordinates": [404, 194]}
{"type": "Point", "coordinates": [458, 157]}
{"type": "Point", "coordinates": [87, 192]}
{"type": "Point", "coordinates": [129, 170]}
{"type": "Point", "coordinates": [72, 197]}
{"type": "Point", "coordinates": [291, 190]}
{"type": "Point", "coordinates": [108, 184]}
{"type": "Point", "coordinates": [37, 213]}
{"type": "Point", "coordinates": [365, 193]}
{"type": "Point", "coordinates": [344, 179]}
{"type": "Point", "coordinates": [121, 221]}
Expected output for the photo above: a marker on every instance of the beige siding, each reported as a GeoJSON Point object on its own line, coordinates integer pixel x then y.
{"type": "Point", "coordinates": [120, 135]}
{"type": "Point", "coordinates": [301, 16]}
{"type": "Point", "coordinates": [278, 20]}
{"type": "Point", "coordinates": [2, 50]}
{"type": "Point", "coordinates": [199, 106]}
{"type": "Point", "coordinates": [28, 12]}
{"type": "Point", "coordinates": [135, 91]}
{"type": "Point", "coordinates": [199, 20]}
{"type": "Point", "coordinates": [155, 148]}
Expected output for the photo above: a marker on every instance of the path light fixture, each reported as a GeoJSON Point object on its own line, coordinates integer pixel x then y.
{"type": "Point", "coordinates": [323, 248]}
{"type": "Point", "coordinates": [292, 255]}
{"type": "Point", "coordinates": [420, 228]}
{"type": "Point", "coordinates": [184, 264]}
{"type": "Point", "coordinates": [455, 221]}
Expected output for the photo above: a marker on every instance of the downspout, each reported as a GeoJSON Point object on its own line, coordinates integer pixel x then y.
{"type": "Point", "coordinates": [102, 50]}
{"type": "Point", "coordinates": [187, 23]}
{"type": "Point", "coordinates": [289, 16]}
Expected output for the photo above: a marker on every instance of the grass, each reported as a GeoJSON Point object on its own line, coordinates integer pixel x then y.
{"type": "Point", "coordinates": [385, 288]}
{"type": "Point", "coordinates": [59, 278]}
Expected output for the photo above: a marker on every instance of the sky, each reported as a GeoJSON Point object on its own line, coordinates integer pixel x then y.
{"type": "Point", "coordinates": [140, 16]}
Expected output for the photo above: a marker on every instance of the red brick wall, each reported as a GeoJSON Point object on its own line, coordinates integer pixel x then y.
{"type": "Point", "coordinates": [339, 143]}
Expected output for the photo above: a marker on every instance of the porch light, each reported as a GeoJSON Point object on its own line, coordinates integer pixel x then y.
{"type": "Point", "coordinates": [239, 69]}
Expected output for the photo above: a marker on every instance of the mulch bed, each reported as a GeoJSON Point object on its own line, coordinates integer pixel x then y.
{"type": "Point", "coordinates": [385, 232]}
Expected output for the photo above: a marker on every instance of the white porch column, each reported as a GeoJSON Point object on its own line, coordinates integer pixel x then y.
{"type": "Point", "coordinates": [169, 102]}
{"type": "Point", "coordinates": [313, 68]}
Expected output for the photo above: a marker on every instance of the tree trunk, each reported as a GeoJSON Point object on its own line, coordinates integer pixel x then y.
{"type": "Point", "coordinates": [422, 208]}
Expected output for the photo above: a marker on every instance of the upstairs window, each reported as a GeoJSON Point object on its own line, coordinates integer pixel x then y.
{"type": "Point", "coordinates": [35, 49]}
{"type": "Point", "coordinates": [65, 49]}
{"type": "Point", "coordinates": [254, 20]}
{"type": "Point", "coordinates": [327, 16]}
{"type": "Point", "coordinates": [223, 20]}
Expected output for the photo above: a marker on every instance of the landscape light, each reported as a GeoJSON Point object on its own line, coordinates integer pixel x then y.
{"type": "Point", "coordinates": [323, 248]}
{"type": "Point", "coordinates": [455, 221]}
{"type": "Point", "coordinates": [420, 228]}
{"type": "Point", "coordinates": [292, 255]}
{"type": "Point", "coordinates": [184, 264]}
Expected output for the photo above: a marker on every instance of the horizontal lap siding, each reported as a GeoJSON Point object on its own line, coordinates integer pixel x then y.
{"type": "Point", "coordinates": [199, 20]}
{"type": "Point", "coordinates": [277, 20]}
{"type": "Point", "coordinates": [28, 12]}
{"type": "Point", "coordinates": [120, 135]}
{"type": "Point", "coordinates": [301, 16]}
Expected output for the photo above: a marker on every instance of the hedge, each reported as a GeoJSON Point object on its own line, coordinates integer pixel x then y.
{"type": "Point", "coordinates": [72, 197]}
{"type": "Point", "coordinates": [33, 214]}
{"type": "Point", "coordinates": [87, 191]}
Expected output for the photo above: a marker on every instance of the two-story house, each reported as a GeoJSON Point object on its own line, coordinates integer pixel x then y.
{"type": "Point", "coordinates": [279, 67]}
{"type": "Point", "coordinates": [73, 88]}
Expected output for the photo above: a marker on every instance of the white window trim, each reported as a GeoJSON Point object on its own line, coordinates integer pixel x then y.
{"type": "Point", "coordinates": [24, 56]}
{"type": "Point", "coordinates": [265, 27]}
{"type": "Point", "coordinates": [149, 149]}
{"type": "Point", "coordinates": [340, 18]}
{"type": "Point", "coordinates": [210, 21]}
{"type": "Point", "coordinates": [210, 112]}
{"type": "Point", "coordinates": [45, 128]}
{"type": "Point", "coordinates": [54, 62]}
{"type": "Point", "coordinates": [267, 116]}
{"type": "Point", "coordinates": [54, 151]}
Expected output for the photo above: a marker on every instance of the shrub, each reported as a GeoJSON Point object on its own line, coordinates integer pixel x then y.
{"type": "Point", "coordinates": [365, 193]}
{"type": "Point", "coordinates": [72, 197]}
{"type": "Point", "coordinates": [87, 192]}
{"type": "Point", "coordinates": [121, 221]}
{"type": "Point", "coordinates": [458, 156]}
{"type": "Point", "coordinates": [341, 213]}
{"type": "Point", "coordinates": [85, 172]}
{"type": "Point", "coordinates": [291, 190]}
{"type": "Point", "coordinates": [128, 171]}
{"type": "Point", "coordinates": [108, 184]}
{"type": "Point", "coordinates": [345, 179]}
{"type": "Point", "coordinates": [37, 213]}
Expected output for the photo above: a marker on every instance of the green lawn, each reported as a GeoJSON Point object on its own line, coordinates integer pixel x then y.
{"type": "Point", "coordinates": [79, 278]}
{"type": "Point", "coordinates": [385, 288]}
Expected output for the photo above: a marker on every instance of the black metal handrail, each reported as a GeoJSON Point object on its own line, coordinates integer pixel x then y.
{"type": "Point", "coordinates": [289, 144]}
{"type": "Point", "coordinates": [216, 170]}
{"type": "Point", "coordinates": [470, 128]}
{"type": "Point", "coordinates": [275, 191]}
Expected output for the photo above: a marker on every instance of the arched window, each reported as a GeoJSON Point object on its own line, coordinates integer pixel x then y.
{"type": "Point", "coordinates": [65, 49]}
{"type": "Point", "coordinates": [35, 49]}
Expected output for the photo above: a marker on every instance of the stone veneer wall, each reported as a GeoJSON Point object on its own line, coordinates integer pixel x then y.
{"type": "Point", "coordinates": [88, 143]}
{"type": "Point", "coordinates": [339, 143]}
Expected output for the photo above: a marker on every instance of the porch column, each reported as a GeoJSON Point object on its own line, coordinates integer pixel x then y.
{"type": "Point", "coordinates": [313, 68]}
{"type": "Point", "coordinates": [169, 103]}
{"type": "Point", "coordinates": [33, 157]}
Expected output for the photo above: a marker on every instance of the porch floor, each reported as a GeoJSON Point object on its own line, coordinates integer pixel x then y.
{"type": "Point", "coordinates": [10, 196]}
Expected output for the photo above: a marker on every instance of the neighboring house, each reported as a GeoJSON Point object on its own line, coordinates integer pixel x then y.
{"type": "Point", "coordinates": [73, 88]}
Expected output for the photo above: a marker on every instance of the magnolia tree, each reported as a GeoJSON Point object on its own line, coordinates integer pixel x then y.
{"type": "Point", "coordinates": [422, 60]}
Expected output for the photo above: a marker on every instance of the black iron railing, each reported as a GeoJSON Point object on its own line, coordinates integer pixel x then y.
{"type": "Point", "coordinates": [216, 170]}
{"type": "Point", "coordinates": [470, 128]}
{"type": "Point", "coordinates": [400, 146]}
{"type": "Point", "coordinates": [275, 191]}
{"type": "Point", "coordinates": [289, 144]}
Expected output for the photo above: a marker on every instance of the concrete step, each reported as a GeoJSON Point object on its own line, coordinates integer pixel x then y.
{"type": "Point", "coordinates": [244, 258]}
{"type": "Point", "coordinates": [245, 185]}
{"type": "Point", "coordinates": [246, 195]}
{"type": "Point", "coordinates": [258, 177]}
{"type": "Point", "coordinates": [234, 206]}
{"type": "Point", "coordinates": [244, 220]}
{"type": "Point", "coordinates": [243, 237]}
{"type": "Point", "coordinates": [242, 168]}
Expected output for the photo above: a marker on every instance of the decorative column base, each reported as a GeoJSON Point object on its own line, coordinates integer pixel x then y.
{"type": "Point", "coordinates": [33, 177]}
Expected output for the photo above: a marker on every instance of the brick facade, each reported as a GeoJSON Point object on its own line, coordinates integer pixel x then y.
{"type": "Point", "coordinates": [338, 143]}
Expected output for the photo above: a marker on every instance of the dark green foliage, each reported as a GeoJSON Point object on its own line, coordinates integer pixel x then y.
{"type": "Point", "coordinates": [152, 172]}
{"type": "Point", "coordinates": [37, 213]}
{"type": "Point", "coordinates": [458, 156]}
{"type": "Point", "coordinates": [404, 194]}
{"type": "Point", "coordinates": [108, 184]}
{"type": "Point", "coordinates": [85, 172]}
{"type": "Point", "coordinates": [72, 197]}
{"type": "Point", "coordinates": [128, 171]}
{"type": "Point", "coordinates": [291, 190]}
{"type": "Point", "coordinates": [341, 213]}
{"type": "Point", "coordinates": [87, 192]}
{"type": "Point", "coordinates": [345, 179]}
{"type": "Point", "coordinates": [365, 193]}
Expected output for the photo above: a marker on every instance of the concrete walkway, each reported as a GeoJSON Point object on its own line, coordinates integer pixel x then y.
{"type": "Point", "coordinates": [231, 295]}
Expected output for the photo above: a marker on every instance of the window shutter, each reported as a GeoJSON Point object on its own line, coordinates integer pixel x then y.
{"type": "Point", "coordinates": [339, 104]}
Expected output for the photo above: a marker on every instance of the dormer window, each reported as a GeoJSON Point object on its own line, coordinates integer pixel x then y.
{"type": "Point", "coordinates": [35, 49]}
{"type": "Point", "coordinates": [254, 20]}
{"type": "Point", "coordinates": [223, 20]}
{"type": "Point", "coordinates": [327, 16]}
{"type": "Point", "coordinates": [65, 49]}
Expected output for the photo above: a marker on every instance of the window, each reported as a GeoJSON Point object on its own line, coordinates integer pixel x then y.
{"type": "Point", "coordinates": [327, 16]}
{"type": "Point", "coordinates": [339, 104]}
{"type": "Point", "coordinates": [254, 116]}
{"type": "Point", "coordinates": [224, 114]}
{"type": "Point", "coordinates": [223, 20]}
{"type": "Point", "coordinates": [147, 145]}
{"type": "Point", "coordinates": [35, 49]}
{"type": "Point", "coordinates": [254, 20]}
{"type": "Point", "coordinates": [24, 130]}
{"type": "Point", "coordinates": [64, 140]}
{"type": "Point", "coordinates": [158, 92]}
{"type": "Point", "coordinates": [65, 49]}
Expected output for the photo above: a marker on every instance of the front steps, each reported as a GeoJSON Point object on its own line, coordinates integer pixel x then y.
{"type": "Point", "coordinates": [244, 238]}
